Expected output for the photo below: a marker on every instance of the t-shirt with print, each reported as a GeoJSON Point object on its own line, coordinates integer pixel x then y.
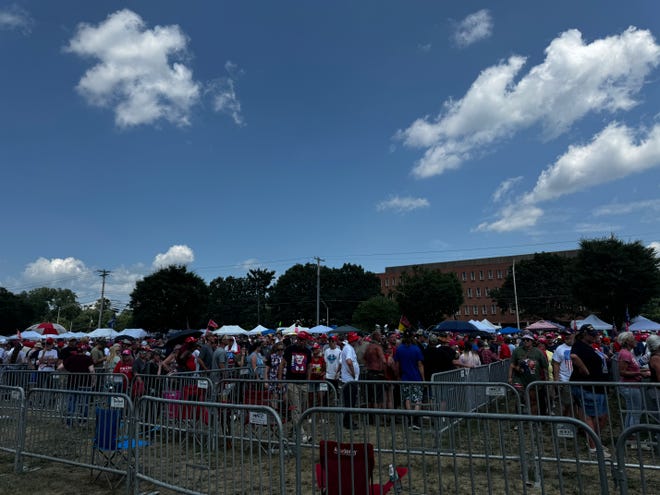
{"type": "Point", "coordinates": [332, 362]}
{"type": "Point", "coordinates": [297, 359]}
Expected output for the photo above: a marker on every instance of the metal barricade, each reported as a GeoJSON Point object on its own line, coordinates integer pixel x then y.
{"type": "Point", "coordinates": [82, 428]}
{"type": "Point", "coordinates": [630, 470]}
{"type": "Point", "coordinates": [623, 404]}
{"type": "Point", "coordinates": [178, 386]}
{"type": "Point", "coordinates": [480, 453]}
{"type": "Point", "coordinates": [243, 455]}
{"type": "Point", "coordinates": [12, 422]}
{"type": "Point", "coordinates": [20, 376]}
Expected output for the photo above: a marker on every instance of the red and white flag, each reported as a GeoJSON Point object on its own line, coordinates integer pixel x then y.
{"type": "Point", "coordinates": [211, 324]}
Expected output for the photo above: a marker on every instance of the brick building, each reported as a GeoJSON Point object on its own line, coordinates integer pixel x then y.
{"type": "Point", "coordinates": [478, 278]}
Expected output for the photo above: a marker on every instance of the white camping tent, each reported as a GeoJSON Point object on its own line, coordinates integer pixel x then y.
{"type": "Point", "coordinates": [594, 321]}
{"type": "Point", "coordinates": [320, 329]}
{"type": "Point", "coordinates": [230, 330]}
{"type": "Point", "coordinates": [641, 324]}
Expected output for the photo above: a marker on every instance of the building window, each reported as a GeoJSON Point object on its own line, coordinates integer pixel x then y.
{"type": "Point", "coordinates": [387, 282]}
{"type": "Point", "coordinates": [393, 281]}
{"type": "Point", "coordinates": [464, 276]}
{"type": "Point", "coordinates": [481, 274]}
{"type": "Point", "coordinates": [499, 274]}
{"type": "Point", "coordinates": [467, 310]}
{"type": "Point", "coordinates": [469, 291]}
{"type": "Point", "coordinates": [471, 275]}
{"type": "Point", "coordinates": [493, 309]}
{"type": "Point", "coordinates": [490, 274]}
{"type": "Point", "coordinates": [475, 310]}
{"type": "Point", "coordinates": [478, 292]}
{"type": "Point", "coordinates": [484, 310]}
{"type": "Point", "coordinates": [487, 292]}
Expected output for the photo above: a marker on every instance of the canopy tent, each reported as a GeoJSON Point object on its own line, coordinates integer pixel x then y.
{"type": "Point", "coordinates": [544, 326]}
{"type": "Point", "coordinates": [103, 333]}
{"type": "Point", "coordinates": [230, 330]}
{"type": "Point", "coordinates": [260, 330]}
{"type": "Point", "coordinates": [136, 333]}
{"type": "Point", "coordinates": [320, 329]}
{"type": "Point", "coordinates": [455, 326]}
{"type": "Point", "coordinates": [294, 329]}
{"type": "Point", "coordinates": [482, 326]}
{"type": "Point", "coordinates": [592, 320]}
{"type": "Point", "coordinates": [509, 330]}
{"type": "Point", "coordinates": [491, 325]}
{"type": "Point", "coordinates": [29, 335]}
{"type": "Point", "coordinates": [641, 324]}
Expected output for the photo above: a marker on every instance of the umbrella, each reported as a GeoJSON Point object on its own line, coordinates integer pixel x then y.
{"type": "Point", "coordinates": [346, 329]}
{"type": "Point", "coordinates": [320, 329]}
{"type": "Point", "coordinates": [47, 328]}
{"type": "Point", "coordinates": [544, 326]}
{"type": "Point", "coordinates": [179, 336]}
{"type": "Point", "coordinates": [455, 326]}
{"type": "Point", "coordinates": [28, 335]}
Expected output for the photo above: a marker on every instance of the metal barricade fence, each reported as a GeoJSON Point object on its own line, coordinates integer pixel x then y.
{"type": "Point", "coordinates": [178, 386]}
{"type": "Point", "coordinates": [20, 376]}
{"type": "Point", "coordinates": [12, 418]}
{"type": "Point", "coordinates": [623, 404]}
{"type": "Point", "coordinates": [635, 477]}
{"type": "Point", "coordinates": [476, 453]}
{"type": "Point", "coordinates": [82, 428]}
{"type": "Point", "coordinates": [211, 448]}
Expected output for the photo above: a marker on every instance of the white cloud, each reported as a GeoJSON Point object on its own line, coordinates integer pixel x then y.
{"type": "Point", "coordinates": [591, 228]}
{"type": "Point", "coordinates": [176, 255]}
{"type": "Point", "coordinates": [614, 153]}
{"type": "Point", "coordinates": [655, 245]}
{"type": "Point", "coordinates": [424, 47]}
{"type": "Point", "coordinates": [574, 79]}
{"type": "Point", "coordinates": [223, 93]}
{"type": "Point", "coordinates": [55, 269]}
{"type": "Point", "coordinates": [402, 204]}
{"type": "Point", "coordinates": [14, 17]}
{"type": "Point", "coordinates": [504, 188]}
{"type": "Point", "coordinates": [475, 27]}
{"type": "Point", "coordinates": [250, 264]}
{"type": "Point", "coordinates": [135, 76]}
{"type": "Point", "coordinates": [650, 205]}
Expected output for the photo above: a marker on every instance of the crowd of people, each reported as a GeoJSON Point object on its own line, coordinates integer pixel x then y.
{"type": "Point", "coordinates": [585, 355]}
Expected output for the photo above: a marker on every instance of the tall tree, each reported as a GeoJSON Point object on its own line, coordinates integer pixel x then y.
{"type": "Point", "coordinates": [15, 312]}
{"type": "Point", "coordinates": [259, 281]}
{"type": "Point", "coordinates": [377, 310]}
{"type": "Point", "coordinates": [544, 287]}
{"type": "Point", "coordinates": [427, 296]}
{"type": "Point", "coordinates": [612, 276]}
{"type": "Point", "coordinates": [293, 296]}
{"type": "Point", "coordinates": [228, 299]}
{"type": "Point", "coordinates": [170, 298]}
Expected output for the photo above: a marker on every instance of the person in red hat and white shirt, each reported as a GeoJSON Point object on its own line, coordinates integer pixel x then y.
{"type": "Point", "coordinates": [350, 374]}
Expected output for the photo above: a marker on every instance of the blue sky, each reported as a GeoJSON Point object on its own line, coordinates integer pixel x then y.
{"type": "Point", "coordinates": [231, 135]}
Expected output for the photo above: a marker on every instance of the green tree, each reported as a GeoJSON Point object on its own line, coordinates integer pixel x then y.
{"type": "Point", "coordinates": [612, 276]}
{"type": "Point", "coordinates": [293, 296]}
{"type": "Point", "coordinates": [170, 298]}
{"type": "Point", "coordinates": [428, 296]}
{"type": "Point", "coordinates": [228, 299]}
{"type": "Point", "coordinates": [258, 285]}
{"type": "Point", "coordinates": [16, 314]}
{"type": "Point", "coordinates": [376, 310]}
{"type": "Point", "coordinates": [544, 287]}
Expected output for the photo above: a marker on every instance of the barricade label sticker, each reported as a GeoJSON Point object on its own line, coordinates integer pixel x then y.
{"type": "Point", "coordinates": [118, 379]}
{"type": "Point", "coordinates": [15, 395]}
{"type": "Point", "coordinates": [117, 402]}
{"type": "Point", "coordinates": [323, 387]}
{"type": "Point", "coordinates": [203, 384]}
{"type": "Point", "coordinates": [565, 431]}
{"type": "Point", "coordinates": [258, 418]}
{"type": "Point", "coordinates": [495, 391]}
{"type": "Point", "coordinates": [243, 371]}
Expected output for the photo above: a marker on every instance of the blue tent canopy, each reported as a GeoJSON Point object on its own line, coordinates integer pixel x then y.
{"type": "Point", "coordinates": [509, 330]}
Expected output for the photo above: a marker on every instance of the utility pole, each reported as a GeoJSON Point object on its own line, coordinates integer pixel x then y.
{"type": "Point", "coordinates": [515, 294]}
{"type": "Point", "coordinates": [318, 289]}
{"type": "Point", "coordinates": [102, 274]}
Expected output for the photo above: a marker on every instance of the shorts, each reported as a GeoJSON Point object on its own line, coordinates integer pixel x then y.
{"type": "Point", "coordinates": [413, 393]}
{"type": "Point", "coordinates": [593, 404]}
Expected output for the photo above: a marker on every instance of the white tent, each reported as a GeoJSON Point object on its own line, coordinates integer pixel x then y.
{"type": "Point", "coordinates": [482, 326]}
{"type": "Point", "coordinates": [594, 321]}
{"type": "Point", "coordinates": [230, 330]}
{"type": "Point", "coordinates": [136, 333]}
{"type": "Point", "coordinates": [260, 330]}
{"type": "Point", "coordinates": [294, 329]}
{"type": "Point", "coordinates": [320, 329]}
{"type": "Point", "coordinates": [29, 335]}
{"type": "Point", "coordinates": [103, 333]}
{"type": "Point", "coordinates": [641, 324]}
{"type": "Point", "coordinates": [491, 325]}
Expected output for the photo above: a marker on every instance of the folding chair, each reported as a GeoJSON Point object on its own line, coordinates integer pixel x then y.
{"type": "Point", "coordinates": [347, 469]}
{"type": "Point", "coordinates": [113, 448]}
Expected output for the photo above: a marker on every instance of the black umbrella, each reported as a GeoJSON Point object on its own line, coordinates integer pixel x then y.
{"type": "Point", "coordinates": [345, 329]}
{"type": "Point", "coordinates": [455, 326]}
{"type": "Point", "coordinates": [179, 336]}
